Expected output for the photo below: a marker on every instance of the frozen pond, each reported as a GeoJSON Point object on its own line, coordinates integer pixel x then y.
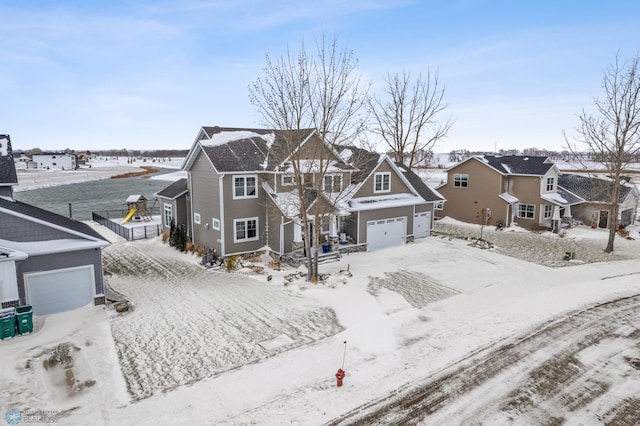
{"type": "Point", "coordinates": [99, 195]}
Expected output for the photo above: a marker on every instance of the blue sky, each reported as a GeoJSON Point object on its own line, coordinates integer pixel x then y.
{"type": "Point", "coordinates": [148, 74]}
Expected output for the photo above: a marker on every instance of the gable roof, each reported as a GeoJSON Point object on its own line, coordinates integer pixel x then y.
{"type": "Point", "coordinates": [422, 188]}
{"type": "Point", "coordinates": [8, 174]}
{"type": "Point", "coordinates": [233, 149]}
{"type": "Point", "coordinates": [173, 191]}
{"type": "Point", "coordinates": [514, 164]}
{"type": "Point", "coordinates": [54, 220]}
{"type": "Point", "coordinates": [589, 188]}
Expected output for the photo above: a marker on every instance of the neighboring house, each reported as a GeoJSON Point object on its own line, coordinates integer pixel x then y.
{"type": "Point", "coordinates": [47, 261]}
{"type": "Point", "coordinates": [242, 193]}
{"type": "Point", "coordinates": [55, 160]}
{"type": "Point", "coordinates": [516, 189]}
{"type": "Point", "coordinates": [596, 191]}
{"type": "Point", "coordinates": [174, 201]}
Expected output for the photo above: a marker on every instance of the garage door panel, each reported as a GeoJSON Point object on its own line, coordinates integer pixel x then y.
{"type": "Point", "coordinates": [385, 233]}
{"type": "Point", "coordinates": [422, 224]}
{"type": "Point", "coordinates": [60, 290]}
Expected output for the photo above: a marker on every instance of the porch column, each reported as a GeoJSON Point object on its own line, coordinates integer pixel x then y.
{"type": "Point", "coordinates": [297, 247]}
{"type": "Point", "coordinates": [334, 241]}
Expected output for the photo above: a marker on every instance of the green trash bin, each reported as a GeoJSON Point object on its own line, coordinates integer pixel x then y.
{"type": "Point", "coordinates": [7, 323]}
{"type": "Point", "coordinates": [24, 319]}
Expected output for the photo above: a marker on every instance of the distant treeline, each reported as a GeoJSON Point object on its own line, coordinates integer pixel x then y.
{"type": "Point", "coordinates": [463, 154]}
{"type": "Point", "coordinates": [131, 153]}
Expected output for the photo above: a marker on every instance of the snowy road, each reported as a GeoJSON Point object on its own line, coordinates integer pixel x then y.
{"type": "Point", "coordinates": [582, 369]}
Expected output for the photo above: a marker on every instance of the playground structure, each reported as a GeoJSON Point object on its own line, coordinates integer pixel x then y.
{"type": "Point", "coordinates": [137, 206]}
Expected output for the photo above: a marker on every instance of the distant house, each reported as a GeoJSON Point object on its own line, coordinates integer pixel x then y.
{"type": "Point", "coordinates": [56, 160]}
{"type": "Point", "coordinates": [242, 193]}
{"type": "Point", "coordinates": [46, 260]}
{"type": "Point", "coordinates": [511, 189]}
{"type": "Point", "coordinates": [596, 192]}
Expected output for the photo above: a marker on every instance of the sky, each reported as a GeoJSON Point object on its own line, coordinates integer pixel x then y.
{"type": "Point", "coordinates": [148, 74]}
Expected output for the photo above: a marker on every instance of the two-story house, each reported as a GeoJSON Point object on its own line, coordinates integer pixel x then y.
{"type": "Point", "coordinates": [512, 189]}
{"type": "Point", "coordinates": [244, 188]}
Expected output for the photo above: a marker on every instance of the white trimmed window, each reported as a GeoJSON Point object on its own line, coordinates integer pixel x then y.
{"type": "Point", "coordinates": [548, 211]}
{"type": "Point", "coordinates": [288, 180]}
{"type": "Point", "coordinates": [382, 182]}
{"type": "Point", "coordinates": [526, 211]}
{"type": "Point", "coordinates": [245, 229]}
{"type": "Point", "coordinates": [460, 180]}
{"type": "Point", "coordinates": [215, 224]}
{"type": "Point", "coordinates": [245, 187]}
{"type": "Point", "coordinates": [550, 184]}
{"type": "Point", "coordinates": [196, 218]}
{"type": "Point", "coordinates": [168, 214]}
{"type": "Point", "coordinates": [439, 205]}
{"type": "Point", "coordinates": [332, 183]}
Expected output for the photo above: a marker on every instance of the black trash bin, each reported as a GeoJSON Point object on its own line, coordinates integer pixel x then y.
{"type": "Point", "coordinates": [24, 319]}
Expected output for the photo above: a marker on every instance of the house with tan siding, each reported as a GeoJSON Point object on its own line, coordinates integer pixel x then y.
{"type": "Point", "coordinates": [513, 189]}
{"type": "Point", "coordinates": [243, 193]}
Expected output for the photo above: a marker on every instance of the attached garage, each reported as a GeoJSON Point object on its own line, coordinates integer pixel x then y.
{"type": "Point", "coordinates": [59, 290]}
{"type": "Point", "coordinates": [385, 233]}
{"type": "Point", "coordinates": [422, 224]}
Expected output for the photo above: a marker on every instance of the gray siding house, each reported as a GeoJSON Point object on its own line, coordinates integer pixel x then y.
{"type": "Point", "coordinates": [174, 199]}
{"type": "Point", "coordinates": [243, 193]}
{"type": "Point", "coordinates": [596, 193]}
{"type": "Point", "coordinates": [46, 260]}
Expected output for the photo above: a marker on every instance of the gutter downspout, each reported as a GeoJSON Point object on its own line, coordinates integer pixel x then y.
{"type": "Point", "coordinates": [222, 227]}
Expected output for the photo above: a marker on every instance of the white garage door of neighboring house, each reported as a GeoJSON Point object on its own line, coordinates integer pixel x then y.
{"type": "Point", "coordinates": [386, 233]}
{"type": "Point", "coordinates": [421, 224]}
{"type": "Point", "coordinates": [59, 290]}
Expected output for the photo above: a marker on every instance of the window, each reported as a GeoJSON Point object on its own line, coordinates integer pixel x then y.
{"type": "Point", "coordinates": [245, 229]}
{"type": "Point", "coordinates": [215, 224]}
{"type": "Point", "coordinates": [439, 205]}
{"type": "Point", "coordinates": [526, 211]}
{"type": "Point", "coordinates": [548, 211]}
{"type": "Point", "coordinates": [460, 180]}
{"type": "Point", "coordinates": [196, 218]}
{"type": "Point", "coordinates": [333, 183]}
{"type": "Point", "coordinates": [382, 182]}
{"type": "Point", "coordinates": [168, 214]}
{"type": "Point", "coordinates": [245, 187]}
{"type": "Point", "coordinates": [550, 182]}
{"type": "Point", "coordinates": [288, 180]}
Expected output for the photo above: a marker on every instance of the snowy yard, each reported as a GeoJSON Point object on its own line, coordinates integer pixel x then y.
{"type": "Point", "coordinates": [210, 347]}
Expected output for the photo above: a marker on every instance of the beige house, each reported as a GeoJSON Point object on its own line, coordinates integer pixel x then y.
{"type": "Point", "coordinates": [242, 193]}
{"type": "Point", "coordinates": [513, 189]}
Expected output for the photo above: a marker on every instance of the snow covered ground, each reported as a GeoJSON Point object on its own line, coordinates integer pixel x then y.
{"type": "Point", "coordinates": [204, 346]}
{"type": "Point", "coordinates": [212, 347]}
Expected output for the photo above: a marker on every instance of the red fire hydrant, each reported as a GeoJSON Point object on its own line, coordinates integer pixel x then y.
{"type": "Point", "coordinates": [340, 375]}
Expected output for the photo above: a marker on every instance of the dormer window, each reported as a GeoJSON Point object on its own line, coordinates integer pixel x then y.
{"type": "Point", "coordinates": [550, 184]}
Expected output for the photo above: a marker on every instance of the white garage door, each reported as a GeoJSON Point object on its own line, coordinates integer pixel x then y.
{"type": "Point", "coordinates": [386, 233]}
{"type": "Point", "coordinates": [59, 290]}
{"type": "Point", "coordinates": [421, 224]}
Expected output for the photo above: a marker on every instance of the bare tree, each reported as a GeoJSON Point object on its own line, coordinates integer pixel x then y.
{"type": "Point", "coordinates": [320, 91]}
{"type": "Point", "coordinates": [407, 117]}
{"type": "Point", "coordinates": [612, 134]}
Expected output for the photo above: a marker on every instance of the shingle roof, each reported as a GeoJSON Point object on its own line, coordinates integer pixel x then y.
{"type": "Point", "coordinates": [364, 161]}
{"type": "Point", "coordinates": [422, 188]}
{"type": "Point", "coordinates": [591, 188]}
{"type": "Point", "coordinates": [49, 217]}
{"type": "Point", "coordinates": [8, 174]}
{"type": "Point", "coordinates": [174, 190]}
{"type": "Point", "coordinates": [518, 164]}
{"type": "Point", "coordinates": [254, 150]}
